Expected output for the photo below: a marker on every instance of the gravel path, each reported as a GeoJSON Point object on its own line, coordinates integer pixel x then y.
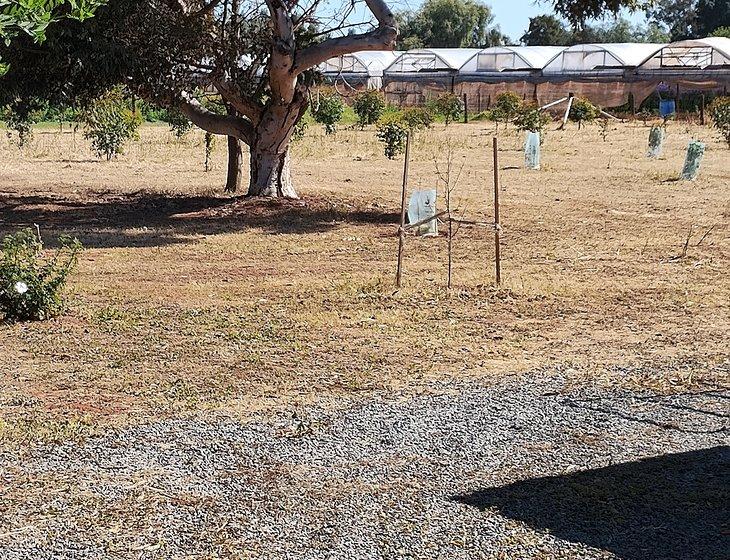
{"type": "Point", "coordinates": [521, 470]}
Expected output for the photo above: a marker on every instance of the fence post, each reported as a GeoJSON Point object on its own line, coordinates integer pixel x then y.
{"type": "Point", "coordinates": [466, 108]}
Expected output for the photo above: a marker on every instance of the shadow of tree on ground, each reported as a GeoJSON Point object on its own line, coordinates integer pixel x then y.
{"type": "Point", "coordinates": [152, 219]}
{"type": "Point", "coordinates": [667, 507]}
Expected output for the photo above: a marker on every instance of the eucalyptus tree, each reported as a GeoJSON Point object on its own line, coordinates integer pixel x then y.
{"type": "Point", "coordinates": [260, 57]}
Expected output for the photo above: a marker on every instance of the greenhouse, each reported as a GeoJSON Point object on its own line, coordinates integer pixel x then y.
{"type": "Point", "coordinates": [422, 74]}
{"type": "Point", "coordinates": [360, 70]}
{"type": "Point", "coordinates": [690, 56]}
{"type": "Point", "coordinates": [603, 73]}
{"type": "Point", "coordinates": [604, 58]}
{"type": "Point", "coordinates": [495, 60]}
{"type": "Point", "coordinates": [495, 70]}
{"type": "Point", "coordinates": [429, 60]}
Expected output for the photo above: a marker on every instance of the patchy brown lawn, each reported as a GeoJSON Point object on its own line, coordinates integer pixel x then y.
{"type": "Point", "coordinates": [186, 299]}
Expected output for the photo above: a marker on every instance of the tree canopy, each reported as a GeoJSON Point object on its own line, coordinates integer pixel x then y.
{"type": "Point", "coordinates": [690, 19]}
{"type": "Point", "coordinates": [32, 17]}
{"type": "Point", "coordinates": [449, 23]}
{"type": "Point", "coordinates": [549, 30]}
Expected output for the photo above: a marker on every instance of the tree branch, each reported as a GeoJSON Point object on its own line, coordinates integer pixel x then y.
{"type": "Point", "coordinates": [248, 107]}
{"type": "Point", "coordinates": [281, 78]}
{"type": "Point", "coordinates": [207, 8]}
{"type": "Point", "coordinates": [381, 38]}
{"type": "Point", "coordinates": [226, 125]}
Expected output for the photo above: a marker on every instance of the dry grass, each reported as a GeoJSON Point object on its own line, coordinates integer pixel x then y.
{"type": "Point", "coordinates": [186, 299]}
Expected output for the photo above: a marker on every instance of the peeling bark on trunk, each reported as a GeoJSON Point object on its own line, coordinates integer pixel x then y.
{"type": "Point", "coordinates": [271, 174]}
{"type": "Point", "coordinates": [263, 117]}
{"type": "Point", "coordinates": [235, 160]}
{"type": "Point", "coordinates": [270, 158]}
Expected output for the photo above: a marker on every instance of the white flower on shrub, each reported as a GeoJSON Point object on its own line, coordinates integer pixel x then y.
{"type": "Point", "coordinates": [21, 287]}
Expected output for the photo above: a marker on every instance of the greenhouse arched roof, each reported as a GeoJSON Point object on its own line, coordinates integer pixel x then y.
{"type": "Point", "coordinates": [370, 63]}
{"type": "Point", "coordinates": [510, 59]}
{"type": "Point", "coordinates": [597, 57]}
{"type": "Point", "coordinates": [692, 54]}
{"type": "Point", "coordinates": [430, 60]}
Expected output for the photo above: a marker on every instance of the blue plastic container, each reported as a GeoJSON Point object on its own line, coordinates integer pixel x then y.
{"type": "Point", "coordinates": [667, 107]}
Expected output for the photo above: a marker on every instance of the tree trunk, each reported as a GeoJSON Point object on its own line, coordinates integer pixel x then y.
{"type": "Point", "coordinates": [270, 173]}
{"type": "Point", "coordinates": [235, 160]}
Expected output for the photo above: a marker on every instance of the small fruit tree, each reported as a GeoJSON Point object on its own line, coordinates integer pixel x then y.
{"type": "Point", "coordinates": [529, 118]}
{"type": "Point", "coordinates": [582, 111]}
{"type": "Point", "coordinates": [506, 106]}
{"type": "Point", "coordinates": [110, 124]}
{"type": "Point", "coordinates": [449, 106]}
{"type": "Point", "coordinates": [368, 106]}
{"type": "Point", "coordinates": [328, 111]}
{"type": "Point", "coordinates": [720, 115]}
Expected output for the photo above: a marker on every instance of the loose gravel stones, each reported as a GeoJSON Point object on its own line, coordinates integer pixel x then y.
{"type": "Point", "coordinates": [523, 470]}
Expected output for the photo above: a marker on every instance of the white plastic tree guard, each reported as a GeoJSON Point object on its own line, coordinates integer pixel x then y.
{"type": "Point", "coordinates": [532, 150]}
{"type": "Point", "coordinates": [691, 168]}
{"type": "Point", "coordinates": [656, 141]}
{"type": "Point", "coordinates": [422, 206]}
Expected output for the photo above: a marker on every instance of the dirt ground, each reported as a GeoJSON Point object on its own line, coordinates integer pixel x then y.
{"type": "Point", "coordinates": [187, 299]}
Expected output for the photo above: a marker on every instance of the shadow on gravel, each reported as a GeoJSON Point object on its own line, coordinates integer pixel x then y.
{"type": "Point", "coordinates": [667, 507]}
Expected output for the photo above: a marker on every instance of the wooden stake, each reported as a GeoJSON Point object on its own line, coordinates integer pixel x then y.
{"type": "Point", "coordinates": [497, 230]}
{"type": "Point", "coordinates": [401, 229]}
{"type": "Point", "coordinates": [702, 109]}
{"type": "Point", "coordinates": [466, 108]}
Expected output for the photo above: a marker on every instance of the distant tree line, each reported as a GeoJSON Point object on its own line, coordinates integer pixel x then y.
{"type": "Point", "coordinates": [668, 20]}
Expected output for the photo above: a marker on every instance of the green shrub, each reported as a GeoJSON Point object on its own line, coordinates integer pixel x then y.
{"type": "Point", "coordinates": [506, 106]}
{"type": "Point", "coordinates": [21, 117]}
{"type": "Point", "coordinates": [22, 125]}
{"type": "Point", "coordinates": [416, 118]}
{"type": "Point", "coordinates": [110, 123]}
{"type": "Point", "coordinates": [179, 123]}
{"type": "Point", "coordinates": [447, 105]}
{"type": "Point", "coordinates": [368, 106]}
{"type": "Point", "coordinates": [328, 111]}
{"type": "Point", "coordinates": [485, 115]}
{"type": "Point", "coordinates": [720, 115]}
{"type": "Point", "coordinates": [31, 287]}
{"type": "Point", "coordinates": [530, 118]}
{"type": "Point", "coordinates": [582, 111]}
{"type": "Point", "coordinates": [392, 132]}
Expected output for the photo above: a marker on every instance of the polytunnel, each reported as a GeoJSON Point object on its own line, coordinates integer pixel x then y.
{"type": "Point", "coordinates": [690, 66]}
{"type": "Point", "coordinates": [495, 70]}
{"type": "Point", "coordinates": [359, 70]}
{"type": "Point", "coordinates": [495, 60]}
{"type": "Point", "coordinates": [600, 58]}
{"type": "Point", "coordinates": [604, 73]}
{"type": "Point", "coordinates": [421, 74]}
{"type": "Point", "coordinates": [693, 55]}
{"type": "Point", "coordinates": [430, 60]}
